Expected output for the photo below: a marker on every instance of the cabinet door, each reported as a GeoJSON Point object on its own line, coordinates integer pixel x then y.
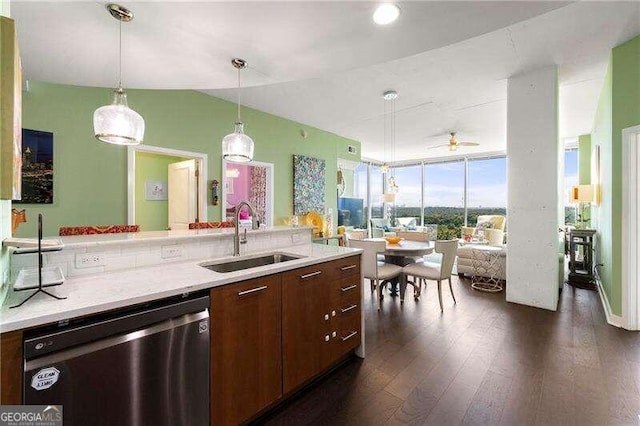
{"type": "Point", "coordinates": [305, 323]}
{"type": "Point", "coordinates": [11, 362]}
{"type": "Point", "coordinates": [246, 351]}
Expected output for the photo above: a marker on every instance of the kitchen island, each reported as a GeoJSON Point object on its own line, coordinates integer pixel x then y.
{"type": "Point", "coordinates": [315, 306]}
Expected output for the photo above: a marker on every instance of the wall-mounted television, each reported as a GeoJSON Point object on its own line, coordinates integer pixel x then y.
{"type": "Point", "coordinates": [351, 212]}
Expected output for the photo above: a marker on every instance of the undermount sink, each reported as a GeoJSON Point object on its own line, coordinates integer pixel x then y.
{"type": "Point", "coordinates": [238, 264]}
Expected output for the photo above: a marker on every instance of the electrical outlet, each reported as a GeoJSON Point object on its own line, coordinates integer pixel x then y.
{"type": "Point", "coordinates": [296, 238]}
{"type": "Point", "coordinates": [168, 252]}
{"type": "Point", "coordinates": [89, 260]}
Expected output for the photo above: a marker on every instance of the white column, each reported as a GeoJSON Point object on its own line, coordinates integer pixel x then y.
{"type": "Point", "coordinates": [533, 176]}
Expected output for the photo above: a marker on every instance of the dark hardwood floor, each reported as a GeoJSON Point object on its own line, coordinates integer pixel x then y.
{"type": "Point", "coordinates": [481, 362]}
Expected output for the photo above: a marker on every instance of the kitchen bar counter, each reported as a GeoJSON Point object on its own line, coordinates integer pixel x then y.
{"type": "Point", "coordinates": [97, 292]}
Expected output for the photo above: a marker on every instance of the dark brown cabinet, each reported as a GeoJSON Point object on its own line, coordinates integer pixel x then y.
{"type": "Point", "coordinates": [321, 318]}
{"type": "Point", "coordinates": [11, 362]}
{"type": "Point", "coordinates": [246, 351]}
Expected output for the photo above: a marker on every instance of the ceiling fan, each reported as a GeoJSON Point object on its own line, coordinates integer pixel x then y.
{"type": "Point", "coordinates": [454, 144]}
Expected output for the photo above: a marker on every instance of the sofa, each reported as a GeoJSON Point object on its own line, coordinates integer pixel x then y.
{"type": "Point", "coordinates": [492, 226]}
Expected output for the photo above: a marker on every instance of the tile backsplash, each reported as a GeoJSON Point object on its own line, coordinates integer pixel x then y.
{"type": "Point", "coordinates": [91, 257]}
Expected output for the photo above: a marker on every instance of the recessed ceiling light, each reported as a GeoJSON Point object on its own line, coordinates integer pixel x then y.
{"type": "Point", "coordinates": [386, 13]}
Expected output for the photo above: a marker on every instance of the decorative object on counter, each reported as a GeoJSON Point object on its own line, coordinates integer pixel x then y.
{"type": "Point", "coordinates": [101, 229]}
{"type": "Point", "coordinates": [117, 123]}
{"type": "Point", "coordinates": [214, 192]}
{"type": "Point", "coordinates": [17, 217]}
{"type": "Point", "coordinates": [328, 223]}
{"type": "Point", "coordinates": [45, 277]}
{"type": "Point", "coordinates": [315, 220]}
{"type": "Point", "coordinates": [308, 184]}
{"type": "Point", "coordinates": [211, 225]}
{"type": "Point", "coordinates": [237, 146]}
{"type": "Point", "coordinates": [37, 167]}
{"type": "Point", "coordinates": [11, 106]}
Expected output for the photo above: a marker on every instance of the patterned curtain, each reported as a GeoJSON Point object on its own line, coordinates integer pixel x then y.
{"type": "Point", "coordinates": [258, 192]}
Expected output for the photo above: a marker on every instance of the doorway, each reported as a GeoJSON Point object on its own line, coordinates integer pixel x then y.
{"type": "Point", "coordinates": [148, 201]}
{"type": "Point", "coordinates": [630, 228]}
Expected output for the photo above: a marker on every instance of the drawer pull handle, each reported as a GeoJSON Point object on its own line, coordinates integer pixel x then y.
{"type": "Point", "coordinates": [351, 287]}
{"type": "Point", "coordinates": [348, 309]}
{"type": "Point", "coordinates": [346, 268]}
{"type": "Point", "coordinates": [313, 274]}
{"type": "Point", "coordinates": [253, 290]}
{"type": "Point", "coordinates": [349, 336]}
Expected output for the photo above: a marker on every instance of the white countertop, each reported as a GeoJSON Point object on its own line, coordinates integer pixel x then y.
{"type": "Point", "coordinates": [90, 294]}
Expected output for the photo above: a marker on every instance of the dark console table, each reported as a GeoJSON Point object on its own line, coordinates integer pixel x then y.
{"type": "Point", "coordinates": [581, 259]}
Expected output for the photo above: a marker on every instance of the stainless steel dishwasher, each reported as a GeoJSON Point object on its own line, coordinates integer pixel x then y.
{"type": "Point", "coordinates": [142, 366]}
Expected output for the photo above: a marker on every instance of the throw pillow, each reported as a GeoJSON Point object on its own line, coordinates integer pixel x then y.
{"type": "Point", "coordinates": [483, 224]}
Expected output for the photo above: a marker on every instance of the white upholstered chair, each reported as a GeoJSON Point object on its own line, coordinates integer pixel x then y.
{"type": "Point", "coordinates": [433, 271]}
{"type": "Point", "coordinates": [373, 270]}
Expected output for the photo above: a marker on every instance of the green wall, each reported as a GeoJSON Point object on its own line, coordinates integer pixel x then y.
{"type": "Point", "coordinates": [152, 215]}
{"type": "Point", "coordinates": [584, 159]}
{"type": "Point", "coordinates": [5, 210]}
{"type": "Point", "coordinates": [90, 177]}
{"type": "Point", "coordinates": [618, 108]}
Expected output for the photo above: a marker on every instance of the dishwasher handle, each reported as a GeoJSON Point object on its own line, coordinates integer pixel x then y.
{"type": "Point", "coordinates": [202, 318]}
{"type": "Point", "coordinates": [111, 324]}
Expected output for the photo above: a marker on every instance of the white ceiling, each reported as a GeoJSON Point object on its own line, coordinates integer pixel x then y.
{"type": "Point", "coordinates": [326, 64]}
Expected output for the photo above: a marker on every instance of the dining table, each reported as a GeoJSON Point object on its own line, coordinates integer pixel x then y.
{"type": "Point", "coordinates": [404, 253]}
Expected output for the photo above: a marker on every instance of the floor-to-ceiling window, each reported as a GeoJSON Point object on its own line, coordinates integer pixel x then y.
{"type": "Point", "coordinates": [444, 197]}
{"type": "Point", "coordinates": [408, 202]}
{"type": "Point", "coordinates": [486, 188]}
{"type": "Point", "coordinates": [570, 179]}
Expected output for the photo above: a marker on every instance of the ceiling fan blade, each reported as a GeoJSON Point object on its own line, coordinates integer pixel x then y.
{"type": "Point", "coordinates": [438, 146]}
{"type": "Point", "coordinates": [468, 143]}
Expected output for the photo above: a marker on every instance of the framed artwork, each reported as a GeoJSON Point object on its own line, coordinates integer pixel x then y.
{"type": "Point", "coordinates": [37, 167]}
{"type": "Point", "coordinates": [308, 184]}
{"type": "Point", "coordinates": [11, 107]}
{"type": "Point", "coordinates": [155, 191]}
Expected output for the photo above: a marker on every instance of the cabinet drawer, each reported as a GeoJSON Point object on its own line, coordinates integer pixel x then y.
{"type": "Point", "coordinates": [350, 327]}
{"type": "Point", "coordinates": [348, 266]}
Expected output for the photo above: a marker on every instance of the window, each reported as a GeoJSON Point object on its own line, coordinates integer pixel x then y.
{"type": "Point", "coordinates": [570, 179]}
{"type": "Point", "coordinates": [487, 188]}
{"type": "Point", "coordinates": [376, 179]}
{"type": "Point", "coordinates": [444, 197]}
{"type": "Point", "coordinates": [409, 199]}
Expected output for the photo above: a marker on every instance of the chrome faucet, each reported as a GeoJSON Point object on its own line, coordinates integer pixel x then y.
{"type": "Point", "coordinates": [254, 225]}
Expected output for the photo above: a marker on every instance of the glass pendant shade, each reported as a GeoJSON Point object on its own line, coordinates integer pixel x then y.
{"type": "Point", "coordinates": [117, 123]}
{"type": "Point", "coordinates": [237, 146]}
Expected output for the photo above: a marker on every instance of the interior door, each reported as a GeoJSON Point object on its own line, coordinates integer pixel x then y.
{"type": "Point", "coordinates": [182, 194]}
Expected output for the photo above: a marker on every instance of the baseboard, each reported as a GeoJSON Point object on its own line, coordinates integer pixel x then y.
{"type": "Point", "coordinates": [612, 319]}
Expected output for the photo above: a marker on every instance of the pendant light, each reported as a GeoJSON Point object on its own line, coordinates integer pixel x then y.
{"type": "Point", "coordinates": [237, 146]}
{"type": "Point", "coordinates": [117, 123]}
{"type": "Point", "coordinates": [391, 187]}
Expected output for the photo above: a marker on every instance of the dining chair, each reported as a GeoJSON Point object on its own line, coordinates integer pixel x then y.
{"type": "Point", "coordinates": [434, 271]}
{"type": "Point", "coordinates": [413, 236]}
{"type": "Point", "coordinates": [378, 273]}
{"type": "Point", "coordinates": [355, 235]}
